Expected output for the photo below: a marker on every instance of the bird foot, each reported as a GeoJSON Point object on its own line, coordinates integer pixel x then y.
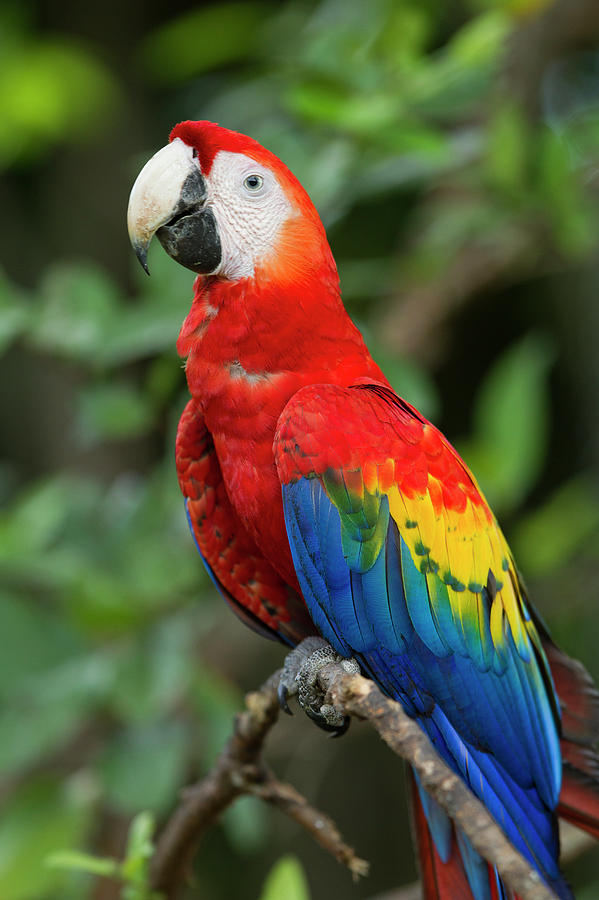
{"type": "Point", "coordinates": [300, 678]}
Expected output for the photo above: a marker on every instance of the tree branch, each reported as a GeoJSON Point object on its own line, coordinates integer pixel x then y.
{"type": "Point", "coordinates": [317, 824]}
{"type": "Point", "coordinates": [202, 804]}
{"type": "Point", "coordinates": [358, 696]}
{"type": "Point", "coordinates": [573, 843]}
{"type": "Point", "coordinates": [240, 770]}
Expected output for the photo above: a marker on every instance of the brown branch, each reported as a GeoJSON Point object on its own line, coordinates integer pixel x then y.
{"type": "Point", "coordinates": [317, 824]}
{"type": "Point", "coordinates": [239, 770]}
{"type": "Point", "coordinates": [573, 843]}
{"type": "Point", "coordinates": [203, 803]}
{"type": "Point", "coordinates": [357, 696]}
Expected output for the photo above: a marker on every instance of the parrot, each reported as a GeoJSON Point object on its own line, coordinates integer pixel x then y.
{"type": "Point", "coordinates": [323, 504]}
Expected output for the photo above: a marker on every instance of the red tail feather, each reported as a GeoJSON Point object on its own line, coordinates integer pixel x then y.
{"type": "Point", "coordinates": [579, 800]}
{"type": "Point", "coordinates": [579, 797]}
{"type": "Point", "coordinates": [440, 881]}
{"type": "Point", "coordinates": [579, 701]}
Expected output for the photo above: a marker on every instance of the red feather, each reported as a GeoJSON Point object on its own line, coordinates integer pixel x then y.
{"type": "Point", "coordinates": [256, 593]}
{"type": "Point", "coordinates": [579, 701]}
{"type": "Point", "coordinates": [440, 881]}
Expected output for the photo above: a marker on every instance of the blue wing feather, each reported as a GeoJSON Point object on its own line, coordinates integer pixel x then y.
{"type": "Point", "coordinates": [381, 610]}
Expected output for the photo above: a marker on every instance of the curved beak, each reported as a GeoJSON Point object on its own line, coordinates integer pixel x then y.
{"type": "Point", "coordinates": [168, 199]}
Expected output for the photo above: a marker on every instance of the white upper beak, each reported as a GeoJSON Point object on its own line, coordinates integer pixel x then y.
{"type": "Point", "coordinates": [156, 193]}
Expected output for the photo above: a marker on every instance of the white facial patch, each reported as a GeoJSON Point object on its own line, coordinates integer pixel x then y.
{"type": "Point", "coordinates": [250, 207]}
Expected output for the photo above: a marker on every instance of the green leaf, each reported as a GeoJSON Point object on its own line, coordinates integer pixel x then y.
{"type": "Point", "coordinates": [31, 731]}
{"type": "Point", "coordinates": [549, 537]}
{"type": "Point", "coordinates": [360, 114]}
{"type": "Point", "coordinates": [103, 603]}
{"type": "Point", "coordinates": [226, 32]}
{"type": "Point", "coordinates": [481, 39]}
{"type": "Point", "coordinates": [286, 881]}
{"type": "Point", "coordinates": [83, 862]}
{"type": "Point", "coordinates": [151, 325]}
{"type": "Point", "coordinates": [404, 35]}
{"type": "Point", "coordinates": [139, 841]}
{"type": "Point", "coordinates": [135, 869]}
{"type": "Point", "coordinates": [511, 420]}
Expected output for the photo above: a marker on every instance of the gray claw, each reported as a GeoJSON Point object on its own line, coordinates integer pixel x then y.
{"type": "Point", "coordinates": [282, 694]}
{"type": "Point", "coordinates": [300, 676]}
{"type": "Point", "coordinates": [339, 732]}
{"type": "Point", "coordinates": [333, 730]}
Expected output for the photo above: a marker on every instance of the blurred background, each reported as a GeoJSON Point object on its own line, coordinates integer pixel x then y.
{"type": "Point", "coordinates": [452, 149]}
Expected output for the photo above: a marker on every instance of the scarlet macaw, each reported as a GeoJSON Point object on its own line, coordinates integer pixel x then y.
{"type": "Point", "coordinates": [321, 502]}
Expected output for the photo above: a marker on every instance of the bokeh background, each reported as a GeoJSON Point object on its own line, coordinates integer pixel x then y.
{"type": "Point", "coordinates": [452, 149]}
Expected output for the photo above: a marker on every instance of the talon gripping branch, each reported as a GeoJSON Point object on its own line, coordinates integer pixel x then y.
{"type": "Point", "coordinates": [321, 502]}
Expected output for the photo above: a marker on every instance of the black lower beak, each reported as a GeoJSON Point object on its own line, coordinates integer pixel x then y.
{"type": "Point", "coordinates": [191, 238]}
{"type": "Point", "coordinates": [191, 235]}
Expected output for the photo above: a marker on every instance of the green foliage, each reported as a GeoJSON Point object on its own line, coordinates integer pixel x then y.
{"type": "Point", "coordinates": [135, 866]}
{"type": "Point", "coordinates": [224, 31]}
{"type": "Point", "coordinates": [133, 871]}
{"type": "Point", "coordinates": [509, 441]}
{"type": "Point", "coordinates": [547, 538]}
{"type": "Point", "coordinates": [286, 881]}
{"type": "Point", "coordinates": [81, 315]}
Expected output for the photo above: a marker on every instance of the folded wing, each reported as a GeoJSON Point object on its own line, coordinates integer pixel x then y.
{"type": "Point", "coordinates": [402, 564]}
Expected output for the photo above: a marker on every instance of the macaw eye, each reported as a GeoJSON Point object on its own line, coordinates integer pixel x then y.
{"type": "Point", "coordinates": [253, 183]}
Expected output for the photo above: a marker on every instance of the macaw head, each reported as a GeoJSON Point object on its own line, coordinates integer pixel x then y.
{"type": "Point", "coordinates": [222, 205]}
